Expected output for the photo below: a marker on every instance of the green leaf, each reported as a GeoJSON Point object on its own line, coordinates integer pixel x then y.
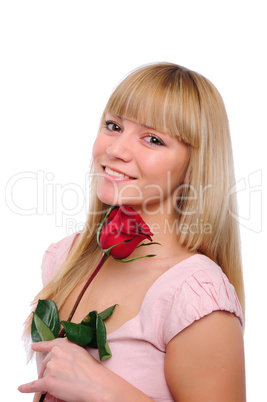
{"type": "Point", "coordinates": [148, 244]}
{"type": "Point", "coordinates": [105, 353]}
{"type": "Point", "coordinates": [107, 313]}
{"type": "Point", "coordinates": [101, 336]}
{"type": "Point", "coordinates": [136, 258]}
{"type": "Point", "coordinates": [80, 334]}
{"type": "Point", "coordinates": [47, 311]}
{"type": "Point", "coordinates": [42, 332]}
{"type": "Point", "coordinates": [101, 224]}
{"type": "Point", "coordinates": [90, 321]}
{"type": "Point", "coordinates": [95, 321]}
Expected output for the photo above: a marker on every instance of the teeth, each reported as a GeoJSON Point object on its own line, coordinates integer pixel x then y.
{"type": "Point", "coordinates": [114, 173]}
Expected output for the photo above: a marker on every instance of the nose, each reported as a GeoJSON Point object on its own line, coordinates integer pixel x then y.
{"type": "Point", "coordinates": [120, 148]}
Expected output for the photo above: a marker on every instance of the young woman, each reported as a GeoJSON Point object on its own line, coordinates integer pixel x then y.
{"type": "Point", "coordinates": [164, 149]}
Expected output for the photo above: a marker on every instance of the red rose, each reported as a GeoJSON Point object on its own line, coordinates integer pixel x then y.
{"type": "Point", "coordinates": [123, 224]}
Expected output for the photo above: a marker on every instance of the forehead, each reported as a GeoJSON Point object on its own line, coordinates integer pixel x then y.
{"type": "Point", "coordinates": [161, 103]}
{"type": "Point", "coordinates": [144, 112]}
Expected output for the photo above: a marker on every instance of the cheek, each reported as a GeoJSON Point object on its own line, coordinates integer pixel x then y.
{"type": "Point", "coordinates": [170, 173]}
{"type": "Point", "coordinates": [179, 164]}
{"type": "Point", "coordinates": [99, 146]}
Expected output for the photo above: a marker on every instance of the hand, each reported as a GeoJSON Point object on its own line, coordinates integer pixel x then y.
{"type": "Point", "coordinates": [68, 372]}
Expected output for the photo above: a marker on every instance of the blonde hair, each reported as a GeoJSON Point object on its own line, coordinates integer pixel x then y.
{"type": "Point", "coordinates": [172, 99]}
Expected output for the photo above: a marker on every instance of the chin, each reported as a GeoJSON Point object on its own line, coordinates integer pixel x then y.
{"type": "Point", "coordinates": [108, 198]}
{"type": "Point", "coordinates": [112, 195]}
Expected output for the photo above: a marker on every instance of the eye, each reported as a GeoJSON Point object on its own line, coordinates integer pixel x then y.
{"type": "Point", "coordinates": [153, 140]}
{"type": "Point", "coordinates": [110, 125]}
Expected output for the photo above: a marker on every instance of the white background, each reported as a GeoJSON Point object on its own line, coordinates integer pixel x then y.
{"type": "Point", "coordinates": [60, 60]}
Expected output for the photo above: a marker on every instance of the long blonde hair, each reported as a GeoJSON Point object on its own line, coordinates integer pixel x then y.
{"type": "Point", "coordinates": [172, 99]}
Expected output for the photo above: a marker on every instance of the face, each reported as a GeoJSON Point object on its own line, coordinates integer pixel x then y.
{"type": "Point", "coordinates": [138, 166]}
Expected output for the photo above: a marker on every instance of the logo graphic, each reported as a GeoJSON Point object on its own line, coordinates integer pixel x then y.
{"type": "Point", "coordinates": [249, 196]}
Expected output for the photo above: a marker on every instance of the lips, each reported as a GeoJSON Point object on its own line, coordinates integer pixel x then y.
{"type": "Point", "coordinates": [116, 174]}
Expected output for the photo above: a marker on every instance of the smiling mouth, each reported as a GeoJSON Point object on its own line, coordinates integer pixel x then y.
{"type": "Point", "coordinates": [114, 173]}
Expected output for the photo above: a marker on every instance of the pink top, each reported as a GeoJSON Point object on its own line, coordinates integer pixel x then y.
{"type": "Point", "coordinates": [186, 292]}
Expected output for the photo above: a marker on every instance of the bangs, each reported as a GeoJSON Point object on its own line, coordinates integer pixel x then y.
{"type": "Point", "coordinates": [164, 98]}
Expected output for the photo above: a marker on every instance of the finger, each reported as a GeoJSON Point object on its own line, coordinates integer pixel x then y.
{"type": "Point", "coordinates": [43, 347]}
{"type": "Point", "coordinates": [33, 386]}
{"type": "Point", "coordinates": [46, 346]}
{"type": "Point", "coordinates": [44, 365]}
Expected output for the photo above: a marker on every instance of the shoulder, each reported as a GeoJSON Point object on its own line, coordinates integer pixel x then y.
{"type": "Point", "coordinates": [55, 255]}
{"type": "Point", "coordinates": [196, 265]}
{"type": "Point", "coordinates": [191, 290]}
{"type": "Point", "coordinates": [200, 279]}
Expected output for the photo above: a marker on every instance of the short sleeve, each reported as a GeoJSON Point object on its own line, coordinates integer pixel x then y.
{"type": "Point", "coordinates": [200, 294]}
{"type": "Point", "coordinates": [54, 256]}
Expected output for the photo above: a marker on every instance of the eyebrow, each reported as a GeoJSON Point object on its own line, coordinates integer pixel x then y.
{"type": "Point", "coordinates": [154, 129]}
{"type": "Point", "coordinates": [118, 117]}
{"type": "Point", "coordinates": [141, 124]}
{"type": "Point", "coordinates": [149, 127]}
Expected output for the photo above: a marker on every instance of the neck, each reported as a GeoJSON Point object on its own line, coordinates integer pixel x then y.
{"type": "Point", "coordinates": [165, 227]}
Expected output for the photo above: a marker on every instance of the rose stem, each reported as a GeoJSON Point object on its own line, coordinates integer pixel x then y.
{"type": "Point", "coordinates": [97, 269]}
